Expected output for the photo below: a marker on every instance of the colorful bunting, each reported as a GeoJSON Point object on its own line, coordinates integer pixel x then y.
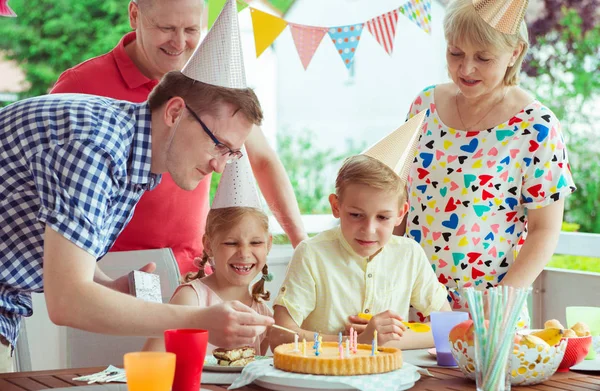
{"type": "Point", "coordinates": [419, 11]}
{"type": "Point", "coordinates": [307, 39]}
{"type": "Point", "coordinates": [5, 9]}
{"type": "Point", "coordinates": [383, 29]}
{"type": "Point", "coordinates": [266, 28]}
{"type": "Point", "coordinates": [346, 39]}
{"type": "Point", "coordinates": [241, 5]}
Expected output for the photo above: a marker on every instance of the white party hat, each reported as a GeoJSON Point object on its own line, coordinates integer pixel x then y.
{"type": "Point", "coordinates": [218, 60]}
{"type": "Point", "coordinates": [397, 149]}
{"type": "Point", "coordinates": [237, 186]}
{"type": "Point", "coordinates": [505, 16]}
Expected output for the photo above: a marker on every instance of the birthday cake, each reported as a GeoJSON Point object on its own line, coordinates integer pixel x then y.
{"type": "Point", "coordinates": [359, 362]}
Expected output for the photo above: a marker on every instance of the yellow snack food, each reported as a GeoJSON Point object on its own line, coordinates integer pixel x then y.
{"type": "Point", "coordinates": [553, 324]}
{"type": "Point", "coordinates": [581, 329]}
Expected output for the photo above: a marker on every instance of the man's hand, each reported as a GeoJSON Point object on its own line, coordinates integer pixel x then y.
{"type": "Point", "coordinates": [389, 327]}
{"type": "Point", "coordinates": [121, 284]}
{"type": "Point", "coordinates": [234, 324]}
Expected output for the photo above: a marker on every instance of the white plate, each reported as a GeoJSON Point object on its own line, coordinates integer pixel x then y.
{"type": "Point", "coordinates": [587, 365]}
{"type": "Point", "coordinates": [210, 365]}
{"type": "Point", "coordinates": [281, 384]}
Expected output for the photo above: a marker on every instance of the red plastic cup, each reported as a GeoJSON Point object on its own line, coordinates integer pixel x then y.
{"type": "Point", "coordinates": [189, 345]}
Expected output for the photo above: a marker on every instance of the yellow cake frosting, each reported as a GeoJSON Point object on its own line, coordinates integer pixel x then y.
{"type": "Point", "coordinates": [328, 362]}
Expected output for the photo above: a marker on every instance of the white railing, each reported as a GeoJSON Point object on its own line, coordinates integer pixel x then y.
{"type": "Point", "coordinates": [553, 291]}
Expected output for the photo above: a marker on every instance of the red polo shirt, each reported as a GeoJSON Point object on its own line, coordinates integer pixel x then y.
{"type": "Point", "coordinates": [166, 216]}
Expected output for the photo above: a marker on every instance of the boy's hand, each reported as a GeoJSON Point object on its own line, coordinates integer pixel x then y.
{"type": "Point", "coordinates": [233, 324]}
{"type": "Point", "coordinates": [389, 327]}
{"type": "Point", "coordinates": [357, 323]}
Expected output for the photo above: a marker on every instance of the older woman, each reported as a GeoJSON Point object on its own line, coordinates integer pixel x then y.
{"type": "Point", "coordinates": [491, 172]}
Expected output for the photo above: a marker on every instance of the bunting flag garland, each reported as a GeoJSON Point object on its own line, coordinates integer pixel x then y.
{"type": "Point", "coordinates": [214, 9]}
{"type": "Point", "coordinates": [266, 28]}
{"type": "Point", "coordinates": [241, 5]}
{"type": "Point", "coordinates": [307, 39]}
{"type": "Point", "coordinates": [346, 40]}
{"type": "Point", "coordinates": [383, 29]}
{"type": "Point", "coordinates": [5, 10]}
{"type": "Point", "coordinates": [418, 11]}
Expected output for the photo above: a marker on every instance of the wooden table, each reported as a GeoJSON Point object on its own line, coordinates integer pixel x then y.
{"type": "Point", "coordinates": [444, 380]}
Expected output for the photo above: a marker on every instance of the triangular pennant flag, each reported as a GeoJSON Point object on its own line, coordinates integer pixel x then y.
{"type": "Point", "coordinates": [214, 9]}
{"type": "Point", "coordinates": [266, 29]}
{"type": "Point", "coordinates": [241, 5]}
{"type": "Point", "coordinates": [307, 39]}
{"type": "Point", "coordinates": [383, 28]}
{"type": "Point", "coordinates": [346, 39]}
{"type": "Point", "coordinates": [419, 11]}
{"type": "Point", "coordinates": [5, 9]}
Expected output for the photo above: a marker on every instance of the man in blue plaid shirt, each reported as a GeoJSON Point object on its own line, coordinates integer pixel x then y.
{"type": "Point", "coordinates": [72, 168]}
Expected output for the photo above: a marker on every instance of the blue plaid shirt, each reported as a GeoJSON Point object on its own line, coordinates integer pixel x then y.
{"type": "Point", "coordinates": [77, 163]}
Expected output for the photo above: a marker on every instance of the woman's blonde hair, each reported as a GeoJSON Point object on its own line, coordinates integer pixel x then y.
{"type": "Point", "coordinates": [218, 222]}
{"type": "Point", "coordinates": [462, 24]}
{"type": "Point", "coordinates": [364, 170]}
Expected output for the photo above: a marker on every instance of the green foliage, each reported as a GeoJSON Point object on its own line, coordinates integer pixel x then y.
{"type": "Point", "coordinates": [311, 169]}
{"type": "Point", "coordinates": [49, 37]}
{"type": "Point", "coordinates": [572, 262]}
{"type": "Point", "coordinates": [566, 68]}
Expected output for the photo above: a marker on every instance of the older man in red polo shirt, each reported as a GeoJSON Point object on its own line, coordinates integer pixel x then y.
{"type": "Point", "coordinates": [166, 34]}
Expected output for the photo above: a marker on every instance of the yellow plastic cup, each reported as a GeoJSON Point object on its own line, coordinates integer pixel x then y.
{"type": "Point", "coordinates": [589, 316]}
{"type": "Point", "coordinates": [149, 371]}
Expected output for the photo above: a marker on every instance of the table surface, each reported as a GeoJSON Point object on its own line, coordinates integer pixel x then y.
{"type": "Point", "coordinates": [450, 379]}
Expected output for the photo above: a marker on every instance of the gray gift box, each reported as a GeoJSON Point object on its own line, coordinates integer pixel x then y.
{"type": "Point", "coordinates": [145, 286]}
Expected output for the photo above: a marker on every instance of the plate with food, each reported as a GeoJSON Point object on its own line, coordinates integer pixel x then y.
{"type": "Point", "coordinates": [230, 360]}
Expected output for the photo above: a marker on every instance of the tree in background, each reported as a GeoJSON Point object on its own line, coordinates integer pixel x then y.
{"type": "Point", "coordinates": [564, 72]}
{"type": "Point", "coordinates": [49, 37]}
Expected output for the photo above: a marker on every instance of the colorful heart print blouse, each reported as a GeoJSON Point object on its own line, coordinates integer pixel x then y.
{"type": "Point", "coordinates": [469, 192]}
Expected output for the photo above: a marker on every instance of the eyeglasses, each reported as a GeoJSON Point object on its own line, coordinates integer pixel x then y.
{"type": "Point", "coordinates": [220, 148]}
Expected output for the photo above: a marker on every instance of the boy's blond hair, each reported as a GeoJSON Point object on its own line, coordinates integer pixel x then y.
{"type": "Point", "coordinates": [365, 170]}
{"type": "Point", "coordinates": [462, 24]}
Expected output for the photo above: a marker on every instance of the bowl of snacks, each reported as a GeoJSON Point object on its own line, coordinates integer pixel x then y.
{"type": "Point", "coordinates": [536, 354]}
{"type": "Point", "coordinates": [579, 342]}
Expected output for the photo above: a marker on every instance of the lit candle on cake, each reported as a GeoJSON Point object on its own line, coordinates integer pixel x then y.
{"type": "Point", "coordinates": [375, 340]}
{"type": "Point", "coordinates": [347, 348]}
{"type": "Point", "coordinates": [315, 344]}
{"type": "Point", "coordinates": [355, 347]}
{"type": "Point", "coordinates": [296, 343]}
{"type": "Point", "coordinates": [341, 351]}
{"type": "Point", "coordinates": [352, 338]}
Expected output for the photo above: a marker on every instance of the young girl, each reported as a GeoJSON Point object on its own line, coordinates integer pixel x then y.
{"type": "Point", "coordinates": [236, 244]}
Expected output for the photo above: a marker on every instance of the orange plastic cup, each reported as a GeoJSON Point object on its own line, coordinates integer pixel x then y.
{"type": "Point", "coordinates": [149, 371]}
